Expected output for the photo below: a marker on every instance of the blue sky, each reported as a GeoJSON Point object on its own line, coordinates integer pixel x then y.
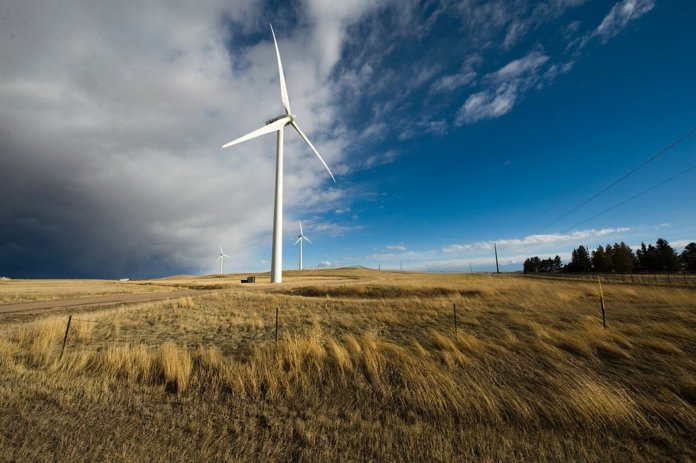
{"type": "Point", "coordinates": [449, 126]}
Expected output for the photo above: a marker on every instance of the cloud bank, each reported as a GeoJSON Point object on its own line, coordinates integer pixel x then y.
{"type": "Point", "coordinates": [113, 117]}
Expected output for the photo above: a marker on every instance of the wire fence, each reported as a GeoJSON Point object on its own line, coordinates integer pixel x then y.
{"type": "Point", "coordinates": [77, 332]}
{"type": "Point", "coordinates": [681, 279]}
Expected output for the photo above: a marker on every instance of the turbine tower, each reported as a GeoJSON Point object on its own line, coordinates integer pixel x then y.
{"type": "Point", "coordinates": [301, 237]}
{"type": "Point", "coordinates": [221, 258]}
{"type": "Point", "coordinates": [277, 124]}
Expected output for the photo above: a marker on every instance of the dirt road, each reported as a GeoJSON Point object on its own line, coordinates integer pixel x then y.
{"type": "Point", "coordinates": [108, 299]}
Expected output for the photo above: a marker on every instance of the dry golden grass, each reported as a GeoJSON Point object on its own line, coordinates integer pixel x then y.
{"type": "Point", "coordinates": [17, 291]}
{"type": "Point", "coordinates": [367, 367]}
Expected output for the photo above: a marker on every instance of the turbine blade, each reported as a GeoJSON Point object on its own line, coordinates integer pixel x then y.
{"type": "Point", "coordinates": [219, 258]}
{"type": "Point", "coordinates": [227, 256]}
{"type": "Point", "coordinates": [304, 137]}
{"type": "Point", "coordinates": [283, 87]}
{"type": "Point", "coordinates": [310, 241]}
{"type": "Point", "coordinates": [272, 127]}
{"type": "Point", "coordinates": [298, 240]}
{"type": "Point", "coordinates": [301, 228]}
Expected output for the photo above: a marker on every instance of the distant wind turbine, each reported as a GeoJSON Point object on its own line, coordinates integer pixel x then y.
{"type": "Point", "coordinates": [277, 124]}
{"type": "Point", "coordinates": [301, 237]}
{"type": "Point", "coordinates": [222, 260]}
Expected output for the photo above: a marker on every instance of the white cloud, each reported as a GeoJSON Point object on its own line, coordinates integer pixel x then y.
{"type": "Point", "coordinates": [620, 15]}
{"type": "Point", "coordinates": [334, 229]}
{"type": "Point", "coordinates": [330, 21]}
{"type": "Point", "coordinates": [505, 86]}
{"type": "Point", "coordinates": [453, 248]}
{"type": "Point", "coordinates": [535, 240]}
{"type": "Point", "coordinates": [516, 30]}
{"type": "Point", "coordinates": [452, 82]}
{"type": "Point", "coordinates": [386, 157]}
{"type": "Point", "coordinates": [511, 252]}
{"type": "Point", "coordinates": [680, 243]}
{"type": "Point", "coordinates": [520, 67]}
{"type": "Point", "coordinates": [488, 104]}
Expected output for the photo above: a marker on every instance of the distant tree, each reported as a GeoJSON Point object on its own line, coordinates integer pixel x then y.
{"type": "Point", "coordinates": [667, 259]}
{"type": "Point", "coordinates": [557, 264]}
{"type": "Point", "coordinates": [546, 266]}
{"type": "Point", "coordinates": [688, 257]}
{"type": "Point", "coordinates": [579, 261]}
{"type": "Point", "coordinates": [609, 252]}
{"type": "Point", "coordinates": [647, 258]}
{"type": "Point", "coordinates": [622, 258]}
{"type": "Point", "coordinates": [601, 262]}
{"type": "Point", "coordinates": [535, 264]}
{"type": "Point", "coordinates": [531, 265]}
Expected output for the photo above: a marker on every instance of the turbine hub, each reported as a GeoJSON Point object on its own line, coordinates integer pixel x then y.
{"type": "Point", "coordinates": [270, 121]}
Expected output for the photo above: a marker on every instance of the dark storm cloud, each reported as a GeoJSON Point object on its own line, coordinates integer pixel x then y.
{"type": "Point", "coordinates": [112, 119]}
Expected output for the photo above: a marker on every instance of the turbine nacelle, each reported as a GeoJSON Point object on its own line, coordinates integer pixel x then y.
{"type": "Point", "coordinates": [291, 118]}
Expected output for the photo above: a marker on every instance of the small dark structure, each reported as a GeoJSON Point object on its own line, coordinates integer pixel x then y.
{"type": "Point", "coordinates": [249, 280]}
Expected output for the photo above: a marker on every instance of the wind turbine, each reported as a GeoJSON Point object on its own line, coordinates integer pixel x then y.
{"type": "Point", "coordinates": [301, 237]}
{"type": "Point", "coordinates": [222, 259]}
{"type": "Point", "coordinates": [277, 124]}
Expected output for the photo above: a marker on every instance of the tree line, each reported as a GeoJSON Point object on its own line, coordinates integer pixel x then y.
{"type": "Point", "coordinates": [619, 258]}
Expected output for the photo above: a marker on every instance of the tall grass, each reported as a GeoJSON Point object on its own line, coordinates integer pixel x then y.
{"type": "Point", "coordinates": [377, 373]}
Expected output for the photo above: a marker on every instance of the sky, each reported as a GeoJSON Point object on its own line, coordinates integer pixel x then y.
{"type": "Point", "coordinates": [448, 125]}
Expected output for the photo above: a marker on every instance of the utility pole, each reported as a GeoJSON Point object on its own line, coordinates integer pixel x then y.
{"type": "Point", "coordinates": [497, 268]}
{"type": "Point", "coordinates": [471, 269]}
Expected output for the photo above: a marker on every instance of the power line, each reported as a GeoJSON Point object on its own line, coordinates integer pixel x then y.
{"type": "Point", "coordinates": [624, 176]}
{"type": "Point", "coordinates": [683, 172]}
{"type": "Point", "coordinates": [646, 128]}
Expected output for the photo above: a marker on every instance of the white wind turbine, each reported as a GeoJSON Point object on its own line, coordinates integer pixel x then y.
{"type": "Point", "coordinates": [277, 124]}
{"type": "Point", "coordinates": [221, 258]}
{"type": "Point", "coordinates": [301, 237]}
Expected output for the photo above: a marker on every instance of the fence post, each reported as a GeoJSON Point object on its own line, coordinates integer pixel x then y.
{"type": "Point", "coordinates": [631, 277]}
{"type": "Point", "coordinates": [454, 311]}
{"type": "Point", "coordinates": [276, 330]}
{"type": "Point", "coordinates": [685, 283]}
{"type": "Point", "coordinates": [655, 277]}
{"type": "Point", "coordinates": [669, 281]}
{"type": "Point", "coordinates": [601, 302]}
{"type": "Point", "coordinates": [65, 339]}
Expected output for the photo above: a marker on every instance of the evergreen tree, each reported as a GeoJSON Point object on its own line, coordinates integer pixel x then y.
{"type": "Point", "coordinates": [666, 257]}
{"type": "Point", "coordinates": [609, 252]}
{"type": "Point", "coordinates": [601, 263]}
{"type": "Point", "coordinates": [557, 264]}
{"type": "Point", "coordinates": [622, 258]}
{"type": "Point", "coordinates": [688, 257]}
{"type": "Point", "coordinates": [534, 265]}
{"type": "Point", "coordinates": [648, 259]}
{"type": "Point", "coordinates": [579, 261]}
{"type": "Point", "coordinates": [531, 265]}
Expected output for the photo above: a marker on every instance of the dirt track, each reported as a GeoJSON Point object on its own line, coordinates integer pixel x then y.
{"type": "Point", "coordinates": [109, 299]}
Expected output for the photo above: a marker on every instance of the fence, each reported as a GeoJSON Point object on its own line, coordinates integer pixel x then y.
{"type": "Point", "coordinates": [655, 279]}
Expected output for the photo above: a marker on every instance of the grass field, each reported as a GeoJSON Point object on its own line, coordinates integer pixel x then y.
{"type": "Point", "coordinates": [17, 291]}
{"type": "Point", "coordinates": [368, 367]}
